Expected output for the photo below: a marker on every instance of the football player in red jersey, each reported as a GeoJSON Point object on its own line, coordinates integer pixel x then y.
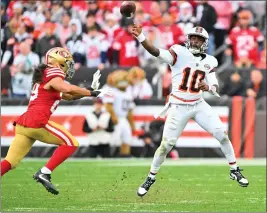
{"type": "Point", "coordinates": [48, 89]}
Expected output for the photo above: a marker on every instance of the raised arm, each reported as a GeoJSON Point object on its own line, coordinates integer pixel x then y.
{"type": "Point", "coordinates": [168, 56]}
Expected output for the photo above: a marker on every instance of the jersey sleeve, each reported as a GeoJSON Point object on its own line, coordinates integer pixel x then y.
{"type": "Point", "coordinates": [51, 73]}
{"type": "Point", "coordinates": [214, 64]}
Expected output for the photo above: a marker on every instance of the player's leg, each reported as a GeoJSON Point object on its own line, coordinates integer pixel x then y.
{"type": "Point", "coordinates": [176, 121]}
{"type": "Point", "coordinates": [54, 133]}
{"type": "Point", "coordinates": [212, 124]}
{"type": "Point", "coordinates": [126, 135]}
{"type": "Point", "coordinates": [19, 147]}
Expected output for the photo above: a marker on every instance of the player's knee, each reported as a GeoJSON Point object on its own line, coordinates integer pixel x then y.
{"type": "Point", "coordinates": [166, 145]}
{"type": "Point", "coordinates": [221, 135]}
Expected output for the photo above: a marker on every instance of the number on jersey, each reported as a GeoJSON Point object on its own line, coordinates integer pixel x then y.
{"type": "Point", "coordinates": [196, 77]}
{"type": "Point", "coordinates": [34, 93]}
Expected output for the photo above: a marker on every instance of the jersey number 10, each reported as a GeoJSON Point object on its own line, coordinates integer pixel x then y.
{"type": "Point", "coordinates": [197, 75]}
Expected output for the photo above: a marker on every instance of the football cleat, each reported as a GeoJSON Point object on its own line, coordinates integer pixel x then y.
{"type": "Point", "coordinates": [45, 180]}
{"type": "Point", "coordinates": [142, 190]}
{"type": "Point", "coordinates": [235, 174]}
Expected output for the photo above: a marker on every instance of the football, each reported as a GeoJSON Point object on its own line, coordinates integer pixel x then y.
{"type": "Point", "coordinates": [127, 9]}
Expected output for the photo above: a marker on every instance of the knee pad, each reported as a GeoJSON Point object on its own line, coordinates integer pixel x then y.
{"type": "Point", "coordinates": [221, 135]}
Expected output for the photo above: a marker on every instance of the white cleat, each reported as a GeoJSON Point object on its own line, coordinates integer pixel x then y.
{"type": "Point", "coordinates": [237, 175]}
{"type": "Point", "coordinates": [142, 190]}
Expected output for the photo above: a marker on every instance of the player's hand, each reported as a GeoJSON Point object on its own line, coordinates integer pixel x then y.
{"type": "Point", "coordinates": [95, 84]}
{"type": "Point", "coordinates": [203, 86]}
{"type": "Point", "coordinates": [137, 30]}
{"type": "Point", "coordinates": [104, 92]}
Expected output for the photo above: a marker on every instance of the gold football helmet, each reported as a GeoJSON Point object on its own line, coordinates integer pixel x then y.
{"type": "Point", "coordinates": [120, 79]}
{"type": "Point", "coordinates": [136, 74]}
{"type": "Point", "coordinates": [62, 58]}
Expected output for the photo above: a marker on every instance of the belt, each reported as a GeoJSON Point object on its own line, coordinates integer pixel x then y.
{"type": "Point", "coordinates": [183, 99]}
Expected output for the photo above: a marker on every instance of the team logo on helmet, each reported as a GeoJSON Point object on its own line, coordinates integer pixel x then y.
{"type": "Point", "coordinates": [199, 29]}
{"type": "Point", "coordinates": [64, 53]}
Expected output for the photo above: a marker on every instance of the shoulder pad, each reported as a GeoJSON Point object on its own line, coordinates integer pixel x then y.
{"type": "Point", "coordinates": [212, 61]}
{"type": "Point", "coordinates": [178, 49]}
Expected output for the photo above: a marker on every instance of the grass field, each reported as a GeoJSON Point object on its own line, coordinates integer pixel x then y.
{"type": "Point", "coordinates": [101, 185]}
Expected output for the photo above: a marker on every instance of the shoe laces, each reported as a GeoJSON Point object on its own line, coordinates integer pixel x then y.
{"type": "Point", "coordinates": [148, 183]}
{"type": "Point", "coordinates": [238, 173]}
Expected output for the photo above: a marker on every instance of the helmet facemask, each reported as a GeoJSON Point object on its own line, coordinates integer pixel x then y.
{"type": "Point", "coordinates": [70, 71]}
{"type": "Point", "coordinates": [196, 50]}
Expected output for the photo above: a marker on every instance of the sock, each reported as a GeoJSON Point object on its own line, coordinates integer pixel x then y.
{"type": "Point", "coordinates": [152, 175]}
{"type": "Point", "coordinates": [5, 167]}
{"type": "Point", "coordinates": [159, 157]}
{"type": "Point", "coordinates": [45, 170]}
{"type": "Point", "coordinates": [229, 153]}
{"type": "Point", "coordinates": [59, 156]}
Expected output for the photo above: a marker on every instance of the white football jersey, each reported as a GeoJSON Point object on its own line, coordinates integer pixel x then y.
{"type": "Point", "coordinates": [122, 102]}
{"type": "Point", "coordinates": [187, 72]}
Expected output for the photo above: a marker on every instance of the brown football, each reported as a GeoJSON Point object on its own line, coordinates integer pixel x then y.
{"type": "Point", "coordinates": [127, 9]}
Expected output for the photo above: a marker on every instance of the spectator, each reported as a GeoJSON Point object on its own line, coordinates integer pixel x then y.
{"type": "Point", "coordinates": [140, 88]}
{"type": "Point", "coordinates": [75, 43]}
{"type": "Point", "coordinates": [22, 71]}
{"type": "Point", "coordinates": [223, 23]}
{"type": "Point", "coordinates": [48, 41]}
{"type": "Point", "coordinates": [56, 11]}
{"type": "Point", "coordinates": [63, 31]}
{"type": "Point", "coordinates": [155, 14]}
{"type": "Point", "coordinates": [111, 28]}
{"type": "Point", "coordinates": [90, 22]}
{"type": "Point", "coordinates": [164, 6]}
{"type": "Point", "coordinates": [96, 47]}
{"type": "Point", "coordinates": [12, 48]}
{"type": "Point", "coordinates": [244, 41]}
{"type": "Point", "coordinates": [186, 20]}
{"type": "Point", "coordinates": [35, 13]}
{"type": "Point", "coordinates": [142, 18]}
{"type": "Point", "coordinates": [99, 126]}
{"type": "Point", "coordinates": [171, 34]}
{"type": "Point", "coordinates": [234, 85]}
{"type": "Point", "coordinates": [207, 18]}
{"type": "Point", "coordinates": [72, 11]}
{"type": "Point", "coordinates": [257, 85]}
{"type": "Point", "coordinates": [125, 47]}
{"type": "Point", "coordinates": [17, 10]}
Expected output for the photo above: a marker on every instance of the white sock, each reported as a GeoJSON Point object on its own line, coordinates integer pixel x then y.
{"type": "Point", "coordinates": [45, 170]}
{"type": "Point", "coordinates": [159, 157]}
{"type": "Point", "coordinates": [229, 153]}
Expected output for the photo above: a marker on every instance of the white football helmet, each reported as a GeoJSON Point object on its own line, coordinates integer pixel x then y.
{"type": "Point", "coordinates": [199, 31]}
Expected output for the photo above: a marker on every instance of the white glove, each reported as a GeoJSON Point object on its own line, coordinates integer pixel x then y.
{"type": "Point", "coordinates": [95, 84]}
{"type": "Point", "coordinates": [105, 92]}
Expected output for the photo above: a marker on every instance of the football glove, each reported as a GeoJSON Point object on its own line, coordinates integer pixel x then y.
{"type": "Point", "coordinates": [95, 84]}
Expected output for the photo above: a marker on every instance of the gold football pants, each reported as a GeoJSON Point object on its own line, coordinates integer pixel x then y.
{"type": "Point", "coordinates": [52, 133]}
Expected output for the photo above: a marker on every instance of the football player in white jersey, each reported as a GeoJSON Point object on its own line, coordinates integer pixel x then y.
{"type": "Point", "coordinates": [192, 72]}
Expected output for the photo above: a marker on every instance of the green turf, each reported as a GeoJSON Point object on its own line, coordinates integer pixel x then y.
{"type": "Point", "coordinates": [101, 186]}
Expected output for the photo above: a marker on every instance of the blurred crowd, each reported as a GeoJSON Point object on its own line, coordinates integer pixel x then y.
{"type": "Point", "coordinates": [97, 36]}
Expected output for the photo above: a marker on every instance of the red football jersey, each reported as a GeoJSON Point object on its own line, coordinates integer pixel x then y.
{"type": "Point", "coordinates": [42, 102]}
{"type": "Point", "coordinates": [126, 44]}
{"type": "Point", "coordinates": [171, 35]}
{"type": "Point", "coordinates": [244, 43]}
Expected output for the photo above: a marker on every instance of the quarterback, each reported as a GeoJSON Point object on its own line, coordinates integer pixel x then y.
{"type": "Point", "coordinates": [48, 89]}
{"type": "Point", "coordinates": [192, 72]}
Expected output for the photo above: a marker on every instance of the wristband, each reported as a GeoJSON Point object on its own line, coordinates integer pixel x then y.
{"type": "Point", "coordinates": [141, 38]}
{"type": "Point", "coordinates": [95, 93]}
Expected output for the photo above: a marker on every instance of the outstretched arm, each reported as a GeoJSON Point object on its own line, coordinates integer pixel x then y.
{"type": "Point", "coordinates": [168, 56]}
